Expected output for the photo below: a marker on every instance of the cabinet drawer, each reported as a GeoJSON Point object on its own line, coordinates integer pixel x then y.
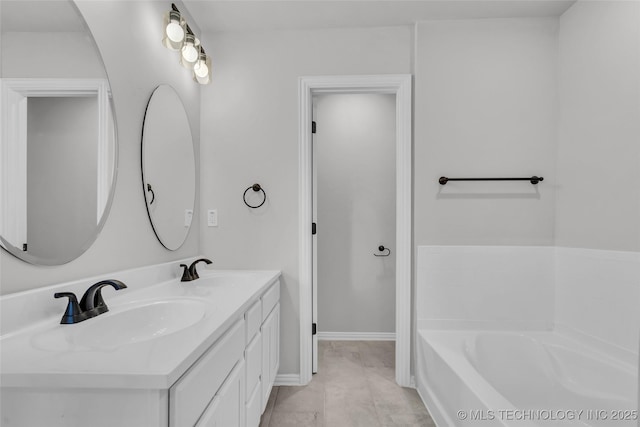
{"type": "Point", "coordinates": [253, 358]}
{"type": "Point", "coordinates": [253, 317]}
{"type": "Point", "coordinates": [191, 394]}
{"type": "Point", "coordinates": [269, 299]}
{"type": "Point", "coordinates": [227, 408]}
{"type": "Point", "coordinates": [254, 406]}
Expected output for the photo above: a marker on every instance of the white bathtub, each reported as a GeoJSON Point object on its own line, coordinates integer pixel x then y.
{"type": "Point", "coordinates": [486, 378]}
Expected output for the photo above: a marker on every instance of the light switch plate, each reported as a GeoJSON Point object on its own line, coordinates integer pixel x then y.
{"type": "Point", "coordinates": [212, 217]}
{"type": "Point", "coordinates": [188, 216]}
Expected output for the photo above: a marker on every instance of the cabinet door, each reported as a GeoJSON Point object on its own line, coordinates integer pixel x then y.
{"type": "Point", "coordinates": [192, 393]}
{"type": "Point", "coordinates": [228, 407]}
{"type": "Point", "coordinates": [274, 347]}
{"type": "Point", "coordinates": [253, 360]}
{"type": "Point", "coordinates": [270, 352]}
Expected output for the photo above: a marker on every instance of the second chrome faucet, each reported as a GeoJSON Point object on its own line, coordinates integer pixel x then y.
{"type": "Point", "coordinates": [91, 304]}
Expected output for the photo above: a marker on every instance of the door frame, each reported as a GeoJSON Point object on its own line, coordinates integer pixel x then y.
{"type": "Point", "coordinates": [401, 86]}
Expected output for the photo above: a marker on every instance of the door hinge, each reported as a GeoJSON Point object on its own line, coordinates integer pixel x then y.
{"type": "Point", "coordinates": [313, 228]}
{"type": "Point", "coordinates": [313, 329]}
{"type": "Point", "coordinates": [24, 247]}
{"type": "Point", "coordinates": [313, 127]}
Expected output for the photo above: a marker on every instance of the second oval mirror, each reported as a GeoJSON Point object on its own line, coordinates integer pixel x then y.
{"type": "Point", "coordinates": [168, 167]}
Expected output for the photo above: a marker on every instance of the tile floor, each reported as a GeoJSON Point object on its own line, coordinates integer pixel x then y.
{"type": "Point", "coordinates": [355, 386]}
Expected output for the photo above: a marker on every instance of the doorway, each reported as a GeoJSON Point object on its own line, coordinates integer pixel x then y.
{"type": "Point", "coordinates": [400, 86]}
{"type": "Point", "coordinates": [354, 209]}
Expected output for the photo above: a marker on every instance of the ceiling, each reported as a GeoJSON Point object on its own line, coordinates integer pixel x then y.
{"type": "Point", "coordinates": [248, 15]}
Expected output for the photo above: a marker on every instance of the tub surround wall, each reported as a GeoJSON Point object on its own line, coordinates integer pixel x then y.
{"type": "Point", "coordinates": [590, 295]}
{"type": "Point", "coordinates": [250, 134]}
{"type": "Point", "coordinates": [136, 62]}
{"type": "Point", "coordinates": [492, 287]}
{"type": "Point", "coordinates": [597, 296]}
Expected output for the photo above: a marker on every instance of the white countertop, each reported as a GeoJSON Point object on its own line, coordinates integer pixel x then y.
{"type": "Point", "coordinates": [48, 354]}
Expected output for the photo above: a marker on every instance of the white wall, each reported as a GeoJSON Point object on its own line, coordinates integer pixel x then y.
{"type": "Point", "coordinates": [354, 160]}
{"type": "Point", "coordinates": [599, 126]}
{"type": "Point", "coordinates": [598, 208]}
{"type": "Point", "coordinates": [250, 134]}
{"type": "Point", "coordinates": [485, 106]}
{"type": "Point", "coordinates": [52, 55]}
{"type": "Point", "coordinates": [129, 37]}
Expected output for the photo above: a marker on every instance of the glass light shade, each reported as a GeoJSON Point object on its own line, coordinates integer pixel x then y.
{"type": "Point", "coordinates": [202, 66]}
{"type": "Point", "coordinates": [202, 70]}
{"type": "Point", "coordinates": [189, 54]}
{"type": "Point", "coordinates": [174, 33]}
{"type": "Point", "coordinates": [203, 80]}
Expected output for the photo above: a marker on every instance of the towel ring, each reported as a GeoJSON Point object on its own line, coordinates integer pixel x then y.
{"type": "Point", "coordinates": [256, 188]}
{"type": "Point", "coordinates": [382, 249]}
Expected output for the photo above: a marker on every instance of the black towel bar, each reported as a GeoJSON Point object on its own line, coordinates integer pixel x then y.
{"type": "Point", "coordinates": [534, 179]}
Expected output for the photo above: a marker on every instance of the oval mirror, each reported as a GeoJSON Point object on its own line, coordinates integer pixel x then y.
{"type": "Point", "coordinates": [168, 167]}
{"type": "Point", "coordinates": [57, 133]}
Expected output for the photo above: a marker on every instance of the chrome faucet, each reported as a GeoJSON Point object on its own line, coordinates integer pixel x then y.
{"type": "Point", "coordinates": [91, 304]}
{"type": "Point", "coordinates": [190, 273]}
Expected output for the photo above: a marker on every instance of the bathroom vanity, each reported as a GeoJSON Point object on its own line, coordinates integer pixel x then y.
{"type": "Point", "coordinates": [168, 353]}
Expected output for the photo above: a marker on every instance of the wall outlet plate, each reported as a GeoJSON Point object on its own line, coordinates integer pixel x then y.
{"type": "Point", "coordinates": [212, 218]}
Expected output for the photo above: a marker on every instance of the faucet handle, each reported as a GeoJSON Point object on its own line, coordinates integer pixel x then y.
{"type": "Point", "coordinates": [73, 313]}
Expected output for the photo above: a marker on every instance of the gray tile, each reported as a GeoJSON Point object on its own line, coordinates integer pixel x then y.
{"type": "Point", "coordinates": [355, 386]}
{"type": "Point", "coordinates": [352, 413]}
{"type": "Point", "coordinates": [297, 419]}
{"type": "Point", "coordinates": [301, 399]}
{"type": "Point", "coordinates": [266, 416]}
{"type": "Point", "coordinates": [406, 420]}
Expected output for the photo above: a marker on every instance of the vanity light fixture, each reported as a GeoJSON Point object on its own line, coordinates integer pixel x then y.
{"type": "Point", "coordinates": [174, 30]}
{"type": "Point", "coordinates": [202, 68]}
{"type": "Point", "coordinates": [179, 37]}
{"type": "Point", "coordinates": [189, 52]}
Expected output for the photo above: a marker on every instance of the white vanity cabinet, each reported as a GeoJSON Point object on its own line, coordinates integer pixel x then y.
{"type": "Point", "coordinates": [230, 384]}
{"type": "Point", "coordinates": [222, 380]}
{"type": "Point", "coordinates": [191, 394]}
{"type": "Point", "coordinates": [270, 352]}
{"type": "Point", "coordinates": [227, 408]}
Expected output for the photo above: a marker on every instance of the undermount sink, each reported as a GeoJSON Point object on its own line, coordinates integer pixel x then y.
{"type": "Point", "coordinates": [134, 323]}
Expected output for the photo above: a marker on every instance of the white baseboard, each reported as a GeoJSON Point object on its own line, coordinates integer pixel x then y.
{"type": "Point", "coordinates": [287, 380]}
{"type": "Point", "coordinates": [357, 336]}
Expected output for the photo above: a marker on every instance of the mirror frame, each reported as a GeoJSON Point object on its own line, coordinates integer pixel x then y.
{"type": "Point", "coordinates": [145, 141]}
{"type": "Point", "coordinates": [14, 93]}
